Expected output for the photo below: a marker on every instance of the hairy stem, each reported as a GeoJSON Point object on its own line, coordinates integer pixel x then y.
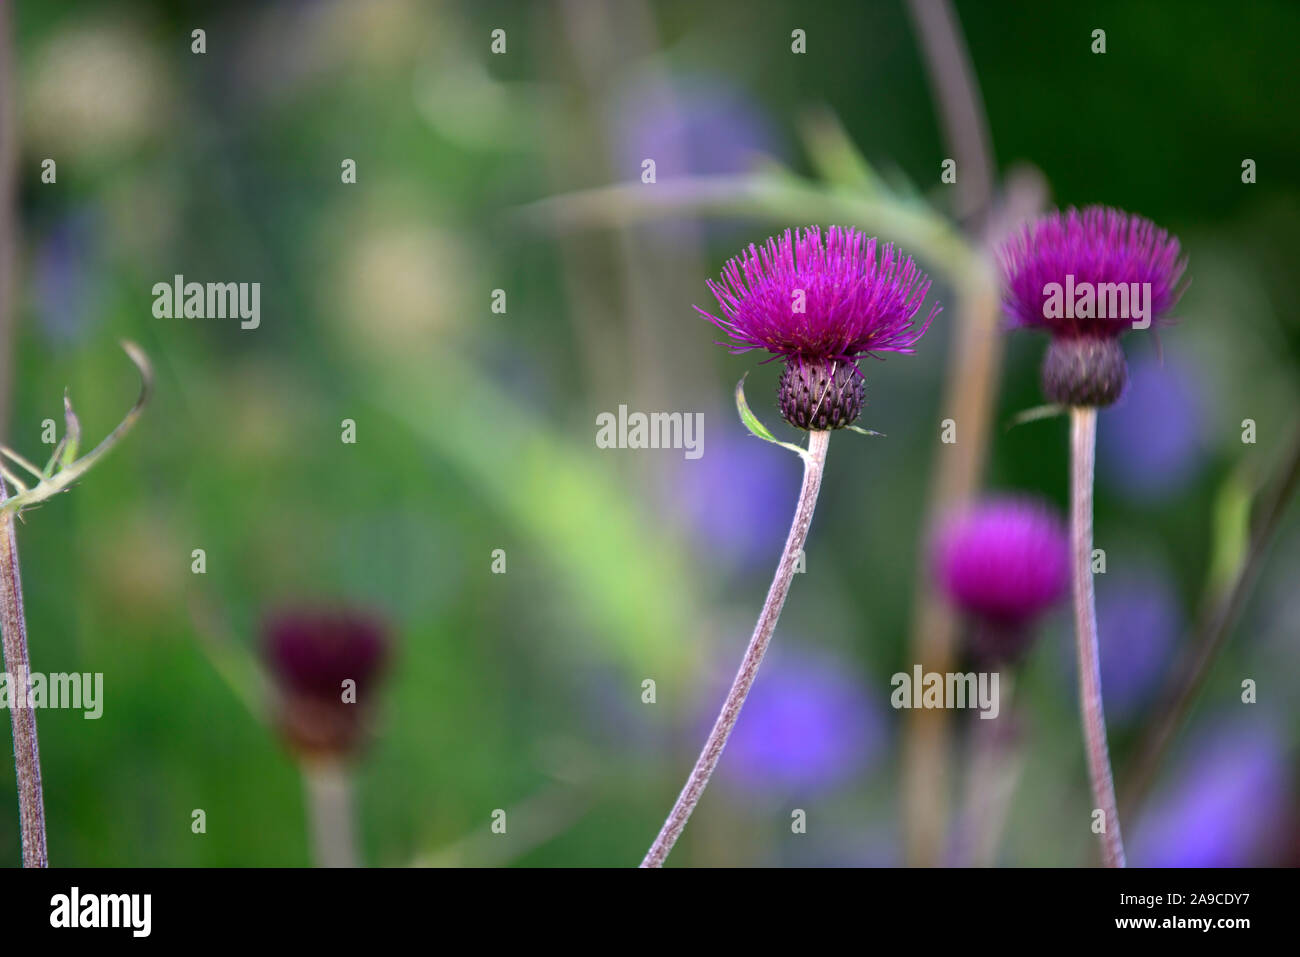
{"type": "Point", "coordinates": [814, 463]}
{"type": "Point", "coordinates": [329, 807]}
{"type": "Point", "coordinates": [27, 751]}
{"type": "Point", "coordinates": [1083, 449]}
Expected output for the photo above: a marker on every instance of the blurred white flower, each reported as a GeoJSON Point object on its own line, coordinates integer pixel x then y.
{"type": "Point", "coordinates": [95, 88]}
{"type": "Point", "coordinates": [400, 286]}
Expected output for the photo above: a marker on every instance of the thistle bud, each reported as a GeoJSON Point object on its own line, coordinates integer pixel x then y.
{"type": "Point", "coordinates": [1085, 371]}
{"type": "Point", "coordinates": [821, 394]}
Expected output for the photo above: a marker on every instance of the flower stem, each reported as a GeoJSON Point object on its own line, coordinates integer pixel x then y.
{"type": "Point", "coordinates": [328, 787]}
{"type": "Point", "coordinates": [1083, 448]}
{"type": "Point", "coordinates": [813, 464]}
{"type": "Point", "coordinates": [996, 757]}
{"type": "Point", "coordinates": [27, 751]}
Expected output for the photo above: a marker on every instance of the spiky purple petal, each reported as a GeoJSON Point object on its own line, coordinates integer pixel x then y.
{"type": "Point", "coordinates": [798, 297]}
{"type": "Point", "coordinates": [1098, 244]}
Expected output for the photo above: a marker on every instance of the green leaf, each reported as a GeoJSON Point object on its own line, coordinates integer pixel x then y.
{"type": "Point", "coordinates": [865, 431]}
{"type": "Point", "coordinates": [756, 427]}
{"type": "Point", "coordinates": [1037, 412]}
{"type": "Point", "coordinates": [72, 439]}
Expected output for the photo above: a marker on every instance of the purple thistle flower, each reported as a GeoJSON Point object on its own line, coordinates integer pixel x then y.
{"type": "Point", "coordinates": [1002, 561]}
{"type": "Point", "coordinates": [1097, 245]}
{"type": "Point", "coordinates": [311, 653]}
{"type": "Point", "coordinates": [821, 306]}
{"type": "Point", "coordinates": [851, 304]}
{"type": "Point", "coordinates": [1087, 277]}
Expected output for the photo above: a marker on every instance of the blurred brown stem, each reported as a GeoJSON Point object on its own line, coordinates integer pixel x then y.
{"type": "Point", "coordinates": [814, 461]}
{"type": "Point", "coordinates": [961, 108]}
{"type": "Point", "coordinates": [974, 358]}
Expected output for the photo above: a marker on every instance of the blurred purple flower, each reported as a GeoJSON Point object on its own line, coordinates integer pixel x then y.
{"type": "Point", "coordinates": [63, 276]}
{"type": "Point", "coordinates": [1225, 803]}
{"type": "Point", "coordinates": [1002, 561]}
{"type": "Point", "coordinates": [1153, 440]}
{"type": "Point", "coordinates": [807, 727]}
{"type": "Point", "coordinates": [699, 125]}
{"type": "Point", "coordinates": [735, 498]}
{"type": "Point", "coordinates": [1139, 622]}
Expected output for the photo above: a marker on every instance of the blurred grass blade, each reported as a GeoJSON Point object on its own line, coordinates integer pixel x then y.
{"type": "Point", "coordinates": [834, 155]}
{"type": "Point", "coordinates": [1036, 413]}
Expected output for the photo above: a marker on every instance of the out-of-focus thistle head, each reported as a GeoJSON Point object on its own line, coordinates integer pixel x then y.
{"type": "Point", "coordinates": [821, 306]}
{"type": "Point", "coordinates": [1003, 562]}
{"type": "Point", "coordinates": [325, 663]}
{"type": "Point", "coordinates": [1087, 277]}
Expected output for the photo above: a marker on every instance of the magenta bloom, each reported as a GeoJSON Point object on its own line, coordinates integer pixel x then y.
{"type": "Point", "coordinates": [1004, 562]}
{"type": "Point", "coordinates": [1096, 252]}
{"type": "Point", "coordinates": [1087, 277]}
{"type": "Point", "coordinates": [821, 307]}
{"type": "Point", "coordinates": [798, 298]}
{"type": "Point", "coordinates": [311, 653]}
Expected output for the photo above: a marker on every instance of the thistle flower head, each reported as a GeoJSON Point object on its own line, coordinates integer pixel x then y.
{"type": "Point", "coordinates": [313, 654]}
{"type": "Point", "coordinates": [821, 305]}
{"type": "Point", "coordinates": [1087, 277]}
{"type": "Point", "coordinates": [798, 297]}
{"type": "Point", "coordinates": [1002, 561]}
{"type": "Point", "coordinates": [1084, 251]}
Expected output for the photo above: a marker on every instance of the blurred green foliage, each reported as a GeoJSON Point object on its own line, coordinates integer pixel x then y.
{"type": "Point", "coordinates": [474, 428]}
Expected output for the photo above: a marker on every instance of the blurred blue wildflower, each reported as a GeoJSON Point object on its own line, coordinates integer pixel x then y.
{"type": "Point", "coordinates": [1139, 622]}
{"type": "Point", "coordinates": [808, 727]}
{"type": "Point", "coordinates": [689, 125]}
{"type": "Point", "coordinates": [1224, 804]}
{"type": "Point", "coordinates": [1153, 440]}
{"type": "Point", "coordinates": [63, 277]}
{"type": "Point", "coordinates": [736, 498]}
